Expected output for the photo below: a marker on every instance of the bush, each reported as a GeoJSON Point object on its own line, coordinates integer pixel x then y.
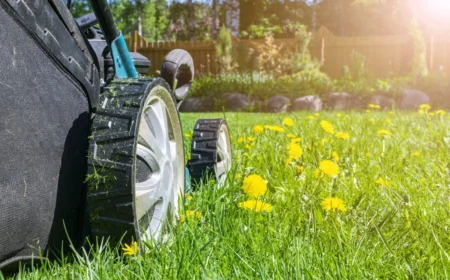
{"type": "Point", "coordinates": [224, 48]}
{"type": "Point", "coordinates": [262, 86]}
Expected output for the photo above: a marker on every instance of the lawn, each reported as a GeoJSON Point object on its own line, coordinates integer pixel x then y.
{"type": "Point", "coordinates": [349, 195]}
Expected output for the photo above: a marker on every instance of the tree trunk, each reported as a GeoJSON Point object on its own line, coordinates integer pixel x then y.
{"type": "Point", "coordinates": [314, 17]}
{"type": "Point", "coordinates": [214, 19]}
{"type": "Point", "coordinates": [191, 20]}
{"type": "Point", "coordinates": [139, 16]}
{"type": "Point", "coordinates": [233, 16]}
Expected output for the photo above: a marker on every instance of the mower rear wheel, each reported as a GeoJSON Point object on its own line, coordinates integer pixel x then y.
{"type": "Point", "coordinates": [137, 170]}
{"type": "Point", "coordinates": [178, 71]}
{"type": "Point", "coordinates": [210, 150]}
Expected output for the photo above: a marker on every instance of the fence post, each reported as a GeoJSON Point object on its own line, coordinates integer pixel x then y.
{"type": "Point", "coordinates": [135, 34]}
{"type": "Point", "coordinates": [322, 53]}
{"type": "Point", "coordinates": [431, 51]}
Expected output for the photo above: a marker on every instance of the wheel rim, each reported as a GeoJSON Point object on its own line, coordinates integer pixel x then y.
{"type": "Point", "coordinates": [159, 165]}
{"type": "Point", "coordinates": [224, 160]}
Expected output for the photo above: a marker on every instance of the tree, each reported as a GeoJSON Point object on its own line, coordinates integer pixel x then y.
{"type": "Point", "coordinates": [190, 23]}
{"type": "Point", "coordinates": [156, 20]}
{"type": "Point", "coordinates": [258, 18]}
{"type": "Point", "coordinates": [125, 15]}
{"type": "Point", "coordinates": [80, 8]}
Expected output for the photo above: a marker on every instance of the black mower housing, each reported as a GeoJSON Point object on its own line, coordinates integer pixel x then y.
{"type": "Point", "coordinates": [50, 80]}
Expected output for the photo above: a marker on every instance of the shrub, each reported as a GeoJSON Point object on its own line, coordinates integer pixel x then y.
{"type": "Point", "coordinates": [419, 64]}
{"type": "Point", "coordinates": [224, 48]}
{"type": "Point", "coordinates": [262, 86]}
{"type": "Point", "coordinates": [300, 59]}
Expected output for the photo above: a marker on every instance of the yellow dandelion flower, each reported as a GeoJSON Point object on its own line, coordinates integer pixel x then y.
{"type": "Point", "coordinates": [254, 186]}
{"type": "Point", "coordinates": [324, 141]}
{"type": "Point", "coordinates": [342, 135]}
{"type": "Point", "coordinates": [383, 182]}
{"type": "Point", "coordinates": [416, 154]}
{"type": "Point", "coordinates": [191, 215]}
{"type": "Point", "coordinates": [335, 156]}
{"type": "Point", "coordinates": [288, 122]}
{"type": "Point", "coordinates": [258, 129]}
{"type": "Point", "coordinates": [256, 205]}
{"type": "Point", "coordinates": [187, 135]}
{"type": "Point", "coordinates": [288, 161]}
{"type": "Point", "coordinates": [251, 139]}
{"type": "Point", "coordinates": [241, 139]}
{"type": "Point", "coordinates": [374, 106]}
{"type": "Point", "coordinates": [188, 197]}
{"type": "Point", "coordinates": [329, 168]}
{"type": "Point", "coordinates": [131, 250]}
{"type": "Point", "coordinates": [290, 135]}
{"type": "Point", "coordinates": [339, 115]}
{"type": "Point", "coordinates": [316, 173]}
{"type": "Point", "coordinates": [385, 132]}
{"type": "Point", "coordinates": [333, 204]}
{"type": "Point", "coordinates": [296, 140]}
{"type": "Point", "coordinates": [327, 127]}
{"type": "Point", "coordinates": [295, 151]}
{"type": "Point", "coordinates": [274, 128]}
{"type": "Point", "coordinates": [310, 117]}
{"type": "Point", "coordinates": [421, 112]}
{"type": "Point", "coordinates": [425, 107]}
{"type": "Point", "coordinates": [440, 113]}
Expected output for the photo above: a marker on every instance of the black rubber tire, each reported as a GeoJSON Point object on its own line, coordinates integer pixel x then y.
{"type": "Point", "coordinates": [204, 149]}
{"type": "Point", "coordinates": [178, 71]}
{"type": "Point", "coordinates": [112, 160]}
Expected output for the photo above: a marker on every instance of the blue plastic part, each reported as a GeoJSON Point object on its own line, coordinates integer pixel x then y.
{"type": "Point", "coordinates": [187, 184]}
{"type": "Point", "coordinates": [122, 59]}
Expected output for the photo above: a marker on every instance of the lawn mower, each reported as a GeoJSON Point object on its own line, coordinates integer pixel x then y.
{"type": "Point", "coordinates": [89, 149]}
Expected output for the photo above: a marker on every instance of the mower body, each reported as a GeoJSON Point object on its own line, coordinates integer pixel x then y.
{"type": "Point", "coordinates": [49, 87]}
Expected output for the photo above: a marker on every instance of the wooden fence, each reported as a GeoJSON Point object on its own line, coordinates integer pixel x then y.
{"type": "Point", "coordinates": [384, 54]}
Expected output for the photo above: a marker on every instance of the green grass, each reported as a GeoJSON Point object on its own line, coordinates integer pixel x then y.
{"type": "Point", "coordinates": [399, 232]}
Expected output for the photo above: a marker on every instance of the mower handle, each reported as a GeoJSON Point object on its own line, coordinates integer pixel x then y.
{"type": "Point", "coordinates": [86, 21]}
{"type": "Point", "coordinates": [123, 64]}
{"type": "Point", "coordinates": [106, 20]}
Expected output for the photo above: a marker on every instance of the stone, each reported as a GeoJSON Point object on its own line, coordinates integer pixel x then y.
{"type": "Point", "coordinates": [383, 101]}
{"type": "Point", "coordinates": [192, 104]}
{"type": "Point", "coordinates": [343, 101]}
{"type": "Point", "coordinates": [310, 102]}
{"type": "Point", "coordinates": [278, 104]}
{"type": "Point", "coordinates": [237, 102]}
{"type": "Point", "coordinates": [412, 99]}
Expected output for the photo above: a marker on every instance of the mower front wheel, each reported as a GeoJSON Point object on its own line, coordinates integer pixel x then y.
{"type": "Point", "coordinates": [137, 169]}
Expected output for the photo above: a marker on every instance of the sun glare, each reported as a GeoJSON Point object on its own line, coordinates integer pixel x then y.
{"type": "Point", "coordinates": [435, 12]}
{"type": "Point", "coordinates": [439, 7]}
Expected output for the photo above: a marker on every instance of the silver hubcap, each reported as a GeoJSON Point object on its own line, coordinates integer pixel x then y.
{"type": "Point", "coordinates": [224, 159]}
{"type": "Point", "coordinates": [160, 166]}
